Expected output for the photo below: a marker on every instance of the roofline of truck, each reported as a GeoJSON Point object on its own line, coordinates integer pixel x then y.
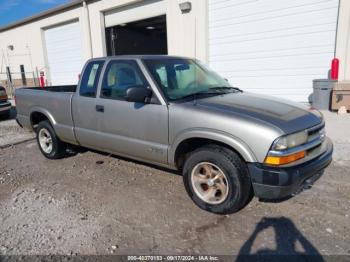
{"type": "Point", "coordinates": [140, 57]}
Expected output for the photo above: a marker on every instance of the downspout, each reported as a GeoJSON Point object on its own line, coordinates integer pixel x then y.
{"type": "Point", "coordinates": [87, 28]}
{"type": "Point", "coordinates": [336, 31]}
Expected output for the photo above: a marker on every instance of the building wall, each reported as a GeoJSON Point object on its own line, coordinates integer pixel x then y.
{"type": "Point", "coordinates": [28, 43]}
{"type": "Point", "coordinates": [186, 32]}
{"type": "Point", "coordinates": [273, 47]}
{"type": "Point", "coordinates": [343, 40]}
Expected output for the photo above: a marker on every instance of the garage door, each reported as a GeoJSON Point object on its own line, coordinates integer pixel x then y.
{"type": "Point", "coordinates": [274, 47]}
{"type": "Point", "coordinates": [64, 55]}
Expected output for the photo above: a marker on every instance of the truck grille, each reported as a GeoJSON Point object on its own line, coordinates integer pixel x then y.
{"type": "Point", "coordinates": [317, 132]}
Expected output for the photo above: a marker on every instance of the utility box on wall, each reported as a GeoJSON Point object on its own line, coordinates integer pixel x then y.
{"type": "Point", "coordinates": [341, 95]}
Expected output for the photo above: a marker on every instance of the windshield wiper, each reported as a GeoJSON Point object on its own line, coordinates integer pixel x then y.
{"type": "Point", "coordinates": [202, 93]}
{"type": "Point", "coordinates": [226, 88]}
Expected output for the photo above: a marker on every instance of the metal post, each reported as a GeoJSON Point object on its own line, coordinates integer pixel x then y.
{"type": "Point", "coordinates": [23, 75]}
{"type": "Point", "coordinates": [37, 76]}
{"type": "Point", "coordinates": [34, 79]}
{"type": "Point", "coordinates": [9, 80]}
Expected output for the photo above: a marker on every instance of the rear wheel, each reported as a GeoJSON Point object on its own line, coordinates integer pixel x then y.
{"type": "Point", "coordinates": [217, 179]}
{"type": "Point", "coordinates": [49, 144]}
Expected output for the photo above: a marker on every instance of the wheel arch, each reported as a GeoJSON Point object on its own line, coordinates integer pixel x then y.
{"type": "Point", "coordinates": [38, 114]}
{"type": "Point", "coordinates": [190, 140]}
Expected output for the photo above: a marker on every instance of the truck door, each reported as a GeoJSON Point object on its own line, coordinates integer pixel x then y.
{"type": "Point", "coordinates": [85, 116]}
{"type": "Point", "coordinates": [131, 129]}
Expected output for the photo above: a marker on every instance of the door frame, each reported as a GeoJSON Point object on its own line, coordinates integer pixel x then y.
{"type": "Point", "coordinates": [132, 13]}
{"type": "Point", "coordinates": [153, 150]}
{"type": "Point", "coordinates": [144, 71]}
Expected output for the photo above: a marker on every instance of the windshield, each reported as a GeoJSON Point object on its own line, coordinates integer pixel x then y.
{"type": "Point", "coordinates": [181, 78]}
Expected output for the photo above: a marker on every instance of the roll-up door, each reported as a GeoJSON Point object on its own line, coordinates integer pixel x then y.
{"type": "Point", "coordinates": [64, 54]}
{"type": "Point", "coordinates": [274, 47]}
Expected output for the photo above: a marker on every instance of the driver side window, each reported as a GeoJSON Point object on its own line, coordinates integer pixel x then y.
{"type": "Point", "coordinates": [119, 77]}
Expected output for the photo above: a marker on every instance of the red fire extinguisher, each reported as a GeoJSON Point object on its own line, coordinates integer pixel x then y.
{"type": "Point", "coordinates": [335, 69]}
{"type": "Point", "coordinates": [42, 79]}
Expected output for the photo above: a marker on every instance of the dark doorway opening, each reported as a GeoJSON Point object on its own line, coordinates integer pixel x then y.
{"type": "Point", "coordinates": [142, 37]}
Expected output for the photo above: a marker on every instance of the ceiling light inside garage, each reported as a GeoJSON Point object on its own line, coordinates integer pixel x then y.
{"type": "Point", "coordinates": [150, 28]}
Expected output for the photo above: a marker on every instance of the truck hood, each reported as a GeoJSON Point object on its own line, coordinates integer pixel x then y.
{"type": "Point", "coordinates": [287, 116]}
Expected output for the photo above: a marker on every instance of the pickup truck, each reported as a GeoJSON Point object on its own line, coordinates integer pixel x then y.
{"type": "Point", "coordinates": [176, 113]}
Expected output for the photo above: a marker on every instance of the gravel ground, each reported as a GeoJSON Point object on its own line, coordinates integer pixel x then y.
{"type": "Point", "coordinates": [11, 133]}
{"type": "Point", "coordinates": [93, 203]}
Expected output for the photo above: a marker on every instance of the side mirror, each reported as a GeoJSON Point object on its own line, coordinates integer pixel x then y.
{"type": "Point", "coordinates": [138, 94]}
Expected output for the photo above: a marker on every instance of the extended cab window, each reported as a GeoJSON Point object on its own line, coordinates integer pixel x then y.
{"type": "Point", "coordinates": [89, 82]}
{"type": "Point", "coordinates": [120, 76]}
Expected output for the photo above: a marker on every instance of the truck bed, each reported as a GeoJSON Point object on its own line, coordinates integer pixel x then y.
{"type": "Point", "coordinates": [54, 102]}
{"type": "Point", "coordinates": [67, 88]}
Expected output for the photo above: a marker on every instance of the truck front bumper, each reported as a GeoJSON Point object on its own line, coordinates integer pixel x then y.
{"type": "Point", "coordinates": [280, 182]}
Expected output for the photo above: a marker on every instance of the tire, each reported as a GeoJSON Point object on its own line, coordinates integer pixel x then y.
{"type": "Point", "coordinates": [54, 148]}
{"type": "Point", "coordinates": [235, 173]}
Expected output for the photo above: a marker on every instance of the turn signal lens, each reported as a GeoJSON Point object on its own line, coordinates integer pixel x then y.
{"type": "Point", "coordinates": [283, 160]}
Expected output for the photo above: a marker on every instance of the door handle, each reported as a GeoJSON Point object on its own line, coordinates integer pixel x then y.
{"type": "Point", "coordinates": [100, 108]}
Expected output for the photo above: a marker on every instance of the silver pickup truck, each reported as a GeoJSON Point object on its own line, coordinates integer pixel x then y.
{"type": "Point", "coordinates": [176, 113]}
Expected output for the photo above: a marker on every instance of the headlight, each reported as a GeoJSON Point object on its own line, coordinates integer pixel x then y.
{"type": "Point", "coordinates": [322, 134]}
{"type": "Point", "coordinates": [290, 141]}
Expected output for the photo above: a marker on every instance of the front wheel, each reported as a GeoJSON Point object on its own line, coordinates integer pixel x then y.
{"type": "Point", "coordinates": [49, 144]}
{"type": "Point", "coordinates": [217, 180]}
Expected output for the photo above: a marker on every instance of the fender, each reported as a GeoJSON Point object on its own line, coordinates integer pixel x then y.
{"type": "Point", "coordinates": [44, 112]}
{"type": "Point", "coordinates": [212, 134]}
{"type": "Point", "coordinates": [64, 132]}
